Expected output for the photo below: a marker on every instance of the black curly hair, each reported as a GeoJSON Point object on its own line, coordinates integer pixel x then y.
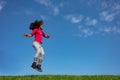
{"type": "Point", "coordinates": [35, 24]}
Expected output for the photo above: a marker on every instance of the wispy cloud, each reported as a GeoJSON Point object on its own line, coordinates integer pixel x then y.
{"type": "Point", "coordinates": [1, 7]}
{"type": "Point", "coordinates": [56, 10]}
{"type": "Point", "coordinates": [107, 16]}
{"type": "Point", "coordinates": [2, 3]}
{"type": "Point", "coordinates": [46, 3]}
{"type": "Point", "coordinates": [116, 7]}
{"type": "Point", "coordinates": [91, 22]}
{"type": "Point", "coordinates": [86, 32]}
{"type": "Point", "coordinates": [85, 22]}
{"type": "Point", "coordinates": [51, 6]}
{"type": "Point", "coordinates": [106, 22]}
{"type": "Point", "coordinates": [110, 9]}
{"type": "Point", "coordinates": [74, 18]}
{"type": "Point", "coordinates": [111, 30]}
{"type": "Point", "coordinates": [80, 18]}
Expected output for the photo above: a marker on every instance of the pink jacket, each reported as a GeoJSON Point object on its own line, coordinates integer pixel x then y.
{"type": "Point", "coordinates": [38, 35]}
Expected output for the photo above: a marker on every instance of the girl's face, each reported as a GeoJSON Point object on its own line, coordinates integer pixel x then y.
{"type": "Point", "coordinates": [41, 27]}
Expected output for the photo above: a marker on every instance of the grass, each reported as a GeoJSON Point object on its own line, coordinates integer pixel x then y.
{"type": "Point", "coordinates": [61, 77]}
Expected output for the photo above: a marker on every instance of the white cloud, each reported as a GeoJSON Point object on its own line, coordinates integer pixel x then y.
{"type": "Point", "coordinates": [84, 32]}
{"type": "Point", "coordinates": [79, 18]}
{"type": "Point", "coordinates": [87, 32]}
{"type": "Point", "coordinates": [112, 30]}
{"type": "Point", "coordinates": [44, 2]}
{"type": "Point", "coordinates": [1, 7]}
{"type": "Point", "coordinates": [51, 6]}
{"type": "Point", "coordinates": [2, 3]}
{"type": "Point", "coordinates": [107, 30]}
{"type": "Point", "coordinates": [110, 10]}
{"type": "Point", "coordinates": [116, 7]}
{"type": "Point", "coordinates": [56, 10]}
{"type": "Point", "coordinates": [107, 16]}
{"type": "Point", "coordinates": [74, 18]}
{"type": "Point", "coordinates": [107, 20]}
{"type": "Point", "coordinates": [91, 22]}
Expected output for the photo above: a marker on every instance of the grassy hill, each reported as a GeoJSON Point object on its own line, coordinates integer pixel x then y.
{"type": "Point", "coordinates": [60, 77]}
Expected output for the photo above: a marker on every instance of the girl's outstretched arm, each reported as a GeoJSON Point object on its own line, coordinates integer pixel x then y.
{"type": "Point", "coordinates": [28, 35]}
{"type": "Point", "coordinates": [47, 36]}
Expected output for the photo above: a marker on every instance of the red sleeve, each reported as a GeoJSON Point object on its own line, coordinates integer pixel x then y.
{"type": "Point", "coordinates": [44, 35]}
{"type": "Point", "coordinates": [33, 32]}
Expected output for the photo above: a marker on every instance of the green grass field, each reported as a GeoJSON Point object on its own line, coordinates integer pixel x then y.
{"type": "Point", "coordinates": [60, 77]}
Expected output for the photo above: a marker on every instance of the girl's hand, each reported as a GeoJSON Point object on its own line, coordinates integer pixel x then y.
{"type": "Point", "coordinates": [47, 36]}
{"type": "Point", "coordinates": [27, 35]}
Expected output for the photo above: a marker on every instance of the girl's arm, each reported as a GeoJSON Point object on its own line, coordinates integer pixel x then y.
{"type": "Point", "coordinates": [45, 35]}
{"type": "Point", "coordinates": [28, 35]}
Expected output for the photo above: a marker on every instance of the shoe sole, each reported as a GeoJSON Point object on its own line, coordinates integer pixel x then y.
{"type": "Point", "coordinates": [36, 69]}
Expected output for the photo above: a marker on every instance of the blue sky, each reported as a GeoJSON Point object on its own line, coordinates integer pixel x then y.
{"type": "Point", "coordinates": [85, 36]}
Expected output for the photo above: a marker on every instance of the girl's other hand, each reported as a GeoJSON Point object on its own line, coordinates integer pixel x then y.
{"type": "Point", "coordinates": [48, 36]}
{"type": "Point", "coordinates": [25, 35]}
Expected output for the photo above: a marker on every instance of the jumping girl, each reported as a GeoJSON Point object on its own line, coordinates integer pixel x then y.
{"type": "Point", "coordinates": [37, 28]}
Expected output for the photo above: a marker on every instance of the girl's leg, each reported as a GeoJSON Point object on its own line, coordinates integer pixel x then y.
{"type": "Point", "coordinates": [36, 46]}
{"type": "Point", "coordinates": [41, 59]}
{"type": "Point", "coordinates": [34, 63]}
{"type": "Point", "coordinates": [40, 62]}
{"type": "Point", "coordinates": [39, 52]}
{"type": "Point", "coordinates": [39, 65]}
{"type": "Point", "coordinates": [35, 59]}
{"type": "Point", "coordinates": [41, 56]}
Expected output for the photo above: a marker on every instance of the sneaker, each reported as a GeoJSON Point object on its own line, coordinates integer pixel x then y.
{"type": "Point", "coordinates": [34, 65]}
{"type": "Point", "coordinates": [39, 68]}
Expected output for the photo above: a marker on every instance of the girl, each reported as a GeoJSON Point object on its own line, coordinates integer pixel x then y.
{"type": "Point", "coordinates": [37, 28]}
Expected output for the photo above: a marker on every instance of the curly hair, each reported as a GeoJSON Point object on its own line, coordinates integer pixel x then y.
{"type": "Point", "coordinates": [35, 24]}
